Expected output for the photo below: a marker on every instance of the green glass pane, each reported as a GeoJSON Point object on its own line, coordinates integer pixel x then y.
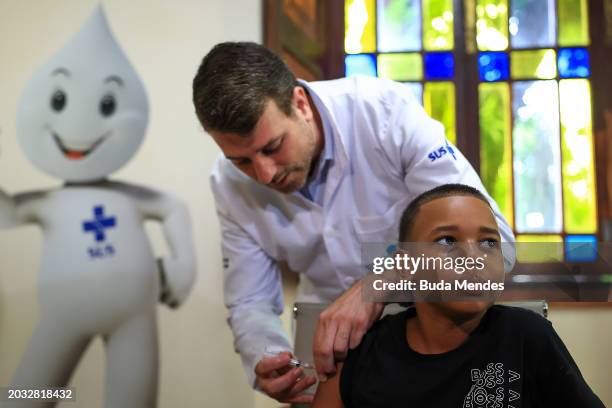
{"type": "Point", "coordinates": [539, 248]}
{"type": "Point", "coordinates": [573, 22]}
{"type": "Point", "coordinates": [533, 64]}
{"type": "Point", "coordinates": [438, 25]}
{"type": "Point", "coordinates": [536, 157]}
{"type": "Point", "coordinates": [359, 26]}
{"type": "Point", "coordinates": [399, 25]}
{"type": "Point", "coordinates": [400, 67]}
{"type": "Point", "coordinates": [439, 102]}
{"type": "Point", "coordinates": [580, 206]}
{"type": "Point", "coordinates": [496, 144]}
{"type": "Point", "coordinates": [492, 25]}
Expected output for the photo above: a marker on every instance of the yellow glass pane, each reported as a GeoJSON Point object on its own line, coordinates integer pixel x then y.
{"type": "Point", "coordinates": [539, 248]}
{"type": "Point", "coordinates": [496, 144]}
{"type": "Point", "coordinates": [578, 165]}
{"type": "Point", "coordinates": [533, 64]}
{"type": "Point", "coordinates": [400, 67]}
{"type": "Point", "coordinates": [438, 25]}
{"type": "Point", "coordinates": [439, 102]}
{"type": "Point", "coordinates": [573, 22]}
{"type": "Point", "coordinates": [359, 26]}
{"type": "Point", "coordinates": [492, 25]}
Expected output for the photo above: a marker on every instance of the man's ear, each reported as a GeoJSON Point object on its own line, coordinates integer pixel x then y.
{"type": "Point", "coordinates": [301, 103]}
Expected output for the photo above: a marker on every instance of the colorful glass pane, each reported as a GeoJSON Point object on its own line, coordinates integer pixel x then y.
{"type": "Point", "coordinates": [439, 102]}
{"type": "Point", "coordinates": [533, 64]}
{"type": "Point", "coordinates": [579, 199]}
{"type": "Point", "coordinates": [532, 24]}
{"type": "Point", "coordinates": [492, 25]}
{"type": "Point", "coordinates": [400, 67]}
{"type": "Point", "coordinates": [496, 144]}
{"type": "Point", "coordinates": [417, 90]}
{"type": "Point", "coordinates": [360, 64]}
{"type": "Point", "coordinates": [573, 22]}
{"type": "Point", "coordinates": [439, 65]}
{"type": "Point", "coordinates": [580, 248]}
{"type": "Point", "coordinates": [438, 25]}
{"type": "Point", "coordinates": [539, 248]}
{"type": "Point", "coordinates": [359, 26]}
{"type": "Point", "coordinates": [574, 63]}
{"type": "Point", "coordinates": [399, 25]}
{"type": "Point", "coordinates": [536, 157]}
{"type": "Point", "coordinates": [493, 66]}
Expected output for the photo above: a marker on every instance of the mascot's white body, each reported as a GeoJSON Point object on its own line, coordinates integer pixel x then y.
{"type": "Point", "coordinates": [82, 116]}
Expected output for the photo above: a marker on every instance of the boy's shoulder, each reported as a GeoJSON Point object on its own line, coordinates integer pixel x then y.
{"type": "Point", "coordinates": [384, 333]}
{"type": "Point", "coordinates": [519, 321]}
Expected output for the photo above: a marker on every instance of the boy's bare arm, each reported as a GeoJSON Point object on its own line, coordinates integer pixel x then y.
{"type": "Point", "coordinates": [328, 392]}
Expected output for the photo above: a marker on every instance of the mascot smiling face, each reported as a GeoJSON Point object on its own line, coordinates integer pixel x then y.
{"type": "Point", "coordinates": [84, 114]}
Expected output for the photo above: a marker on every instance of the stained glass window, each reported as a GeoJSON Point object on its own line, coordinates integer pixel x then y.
{"type": "Point", "coordinates": [574, 63]}
{"type": "Point", "coordinates": [360, 64]}
{"type": "Point", "coordinates": [549, 182]}
{"type": "Point", "coordinates": [439, 65]}
{"type": "Point", "coordinates": [534, 99]}
{"type": "Point", "coordinates": [410, 41]}
{"type": "Point", "coordinates": [539, 64]}
{"type": "Point", "coordinates": [493, 66]}
{"type": "Point", "coordinates": [401, 66]}
{"type": "Point", "coordinates": [439, 101]}
{"type": "Point", "coordinates": [532, 24]}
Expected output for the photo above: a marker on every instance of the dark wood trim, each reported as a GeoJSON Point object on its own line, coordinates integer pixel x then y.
{"type": "Point", "coordinates": [322, 57]}
{"type": "Point", "coordinates": [601, 91]}
{"type": "Point", "coordinates": [579, 305]}
{"type": "Point", "coordinates": [466, 104]}
{"type": "Point", "coordinates": [334, 59]}
{"type": "Point", "coordinates": [270, 24]}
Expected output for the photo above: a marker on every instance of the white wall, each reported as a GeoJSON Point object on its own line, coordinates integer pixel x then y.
{"type": "Point", "coordinates": [165, 41]}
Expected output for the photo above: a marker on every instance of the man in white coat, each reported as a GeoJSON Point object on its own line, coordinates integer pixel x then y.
{"type": "Point", "coordinates": [310, 172]}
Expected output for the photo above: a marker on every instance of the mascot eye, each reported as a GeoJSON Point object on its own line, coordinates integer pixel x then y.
{"type": "Point", "coordinates": [107, 105]}
{"type": "Point", "coordinates": [58, 100]}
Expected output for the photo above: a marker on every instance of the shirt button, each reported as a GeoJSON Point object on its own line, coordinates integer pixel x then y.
{"type": "Point", "coordinates": [349, 280]}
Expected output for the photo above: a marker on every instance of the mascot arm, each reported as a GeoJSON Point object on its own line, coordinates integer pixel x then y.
{"type": "Point", "coordinates": [178, 270]}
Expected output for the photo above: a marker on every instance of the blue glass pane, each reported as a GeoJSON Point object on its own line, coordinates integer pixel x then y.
{"type": "Point", "coordinates": [580, 248]}
{"type": "Point", "coordinates": [493, 66]}
{"type": "Point", "coordinates": [439, 65]}
{"type": "Point", "coordinates": [360, 64]}
{"type": "Point", "coordinates": [574, 63]}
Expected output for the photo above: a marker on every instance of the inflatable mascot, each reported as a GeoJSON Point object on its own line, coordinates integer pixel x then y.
{"type": "Point", "coordinates": [82, 116]}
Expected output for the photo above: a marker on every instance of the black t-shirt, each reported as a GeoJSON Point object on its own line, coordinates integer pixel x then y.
{"type": "Point", "coordinates": [514, 359]}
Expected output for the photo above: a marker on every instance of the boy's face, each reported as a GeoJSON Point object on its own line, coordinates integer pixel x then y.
{"type": "Point", "coordinates": [460, 225]}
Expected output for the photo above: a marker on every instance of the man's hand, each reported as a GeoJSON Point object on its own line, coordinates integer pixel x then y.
{"type": "Point", "coordinates": [342, 325]}
{"type": "Point", "coordinates": [282, 382]}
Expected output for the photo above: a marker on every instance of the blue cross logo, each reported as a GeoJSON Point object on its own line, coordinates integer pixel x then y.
{"type": "Point", "coordinates": [99, 224]}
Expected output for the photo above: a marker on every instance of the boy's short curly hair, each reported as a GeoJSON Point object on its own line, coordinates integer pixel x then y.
{"type": "Point", "coordinates": [445, 190]}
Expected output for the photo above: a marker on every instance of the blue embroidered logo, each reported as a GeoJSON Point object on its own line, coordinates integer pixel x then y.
{"type": "Point", "coordinates": [98, 226]}
{"type": "Point", "coordinates": [438, 153]}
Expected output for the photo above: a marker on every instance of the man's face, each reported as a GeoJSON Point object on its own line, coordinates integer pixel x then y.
{"type": "Point", "coordinates": [280, 150]}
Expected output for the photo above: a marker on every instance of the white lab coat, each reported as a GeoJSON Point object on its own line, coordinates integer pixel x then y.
{"type": "Point", "coordinates": [387, 151]}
